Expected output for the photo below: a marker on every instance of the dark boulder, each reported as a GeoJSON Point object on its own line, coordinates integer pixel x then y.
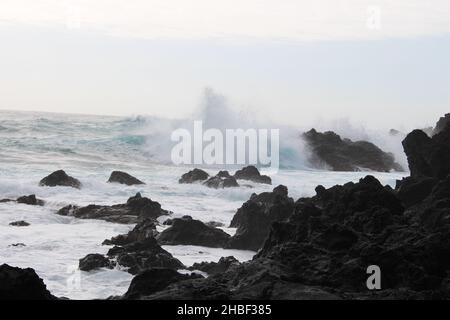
{"type": "Point", "coordinates": [345, 155]}
{"type": "Point", "coordinates": [141, 255]}
{"type": "Point", "coordinates": [153, 280]}
{"type": "Point", "coordinates": [143, 230]}
{"type": "Point", "coordinates": [428, 157]}
{"type": "Point", "coordinates": [94, 261]}
{"type": "Point", "coordinates": [30, 200]}
{"type": "Point", "coordinates": [124, 178]}
{"type": "Point", "coordinates": [136, 209]}
{"type": "Point", "coordinates": [187, 231]}
{"type": "Point", "coordinates": [22, 284]}
{"type": "Point", "coordinates": [221, 182]}
{"type": "Point", "coordinates": [251, 173]}
{"type": "Point", "coordinates": [254, 218]}
{"type": "Point", "coordinates": [194, 176]}
{"type": "Point", "coordinates": [60, 178]}
{"type": "Point", "coordinates": [20, 223]}
{"type": "Point", "coordinates": [212, 268]}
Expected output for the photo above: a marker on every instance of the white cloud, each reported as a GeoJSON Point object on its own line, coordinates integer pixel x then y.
{"type": "Point", "coordinates": [290, 20]}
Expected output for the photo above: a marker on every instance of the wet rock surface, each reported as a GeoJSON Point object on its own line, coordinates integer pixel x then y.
{"type": "Point", "coordinates": [60, 178]}
{"type": "Point", "coordinates": [124, 178]}
{"type": "Point", "coordinates": [20, 223]}
{"type": "Point", "coordinates": [94, 261]}
{"type": "Point", "coordinates": [194, 176]}
{"type": "Point", "coordinates": [30, 200]}
{"type": "Point", "coordinates": [222, 180]}
{"type": "Point", "coordinates": [137, 208]}
{"type": "Point", "coordinates": [339, 154]}
{"type": "Point", "coordinates": [251, 173]}
{"type": "Point", "coordinates": [187, 231]}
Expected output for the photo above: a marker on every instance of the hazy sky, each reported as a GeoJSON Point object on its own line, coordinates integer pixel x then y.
{"type": "Point", "coordinates": [384, 63]}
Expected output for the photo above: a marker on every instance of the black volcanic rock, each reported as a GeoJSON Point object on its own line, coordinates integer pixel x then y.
{"type": "Point", "coordinates": [20, 223]}
{"type": "Point", "coordinates": [30, 200]}
{"type": "Point", "coordinates": [187, 231]}
{"type": "Point", "coordinates": [428, 157]}
{"type": "Point", "coordinates": [442, 123]}
{"type": "Point", "coordinates": [345, 155]}
{"type": "Point", "coordinates": [212, 268]}
{"type": "Point", "coordinates": [94, 261]}
{"type": "Point", "coordinates": [251, 173]}
{"type": "Point", "coordinates": [141, 255]}
{"type": "Point", "coordinates": [22, 284]}
{"type": "Point", "coordinates": [143, 230]}
{"type": "Point", "coordinates": [60, 178]}
{"type": "Point", "coordinates": [153, 280]}
{"type": "Point", "coordinates": [254, 218]}
{"type": "Point", "coordinates": [124, 178]}
{"type": "Point", "coordinates": [222, 180]}
{"type": "Point", "coordinates": [412, 191]}
{"type": "Point", "coordinates": [194, 176]}
{"type": "Point", "coordinates": [136, 209]}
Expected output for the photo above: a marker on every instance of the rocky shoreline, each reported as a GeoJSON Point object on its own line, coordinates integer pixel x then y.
{"type": "Point", "coordinates": [309, 248]}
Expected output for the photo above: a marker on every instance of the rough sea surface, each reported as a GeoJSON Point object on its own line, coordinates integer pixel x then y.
{"type": "Point", "coordinates": [32, 145]}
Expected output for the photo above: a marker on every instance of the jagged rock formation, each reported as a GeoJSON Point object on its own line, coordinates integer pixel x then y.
{"type": "Point", "coordinates": [345, 155]}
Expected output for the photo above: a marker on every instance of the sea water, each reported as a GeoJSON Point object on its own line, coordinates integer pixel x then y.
{"type": "Point", "coordinates": [32, 145]}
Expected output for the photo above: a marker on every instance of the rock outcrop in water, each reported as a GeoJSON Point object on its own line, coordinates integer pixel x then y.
{"type": "Point", "coordinates": [136, 209]}
{"type": "Point", "coordinates": [30, 200]}
{"type": "Point", "coordinates": [60, 178]}
{"type": "Point", "coordinates": [251, 173]}
{"type": "Point", "coordinates": [222, 180]}
{"type": "Point", "coordinates": [254, 218]}
{"type": "Point", "coordinates": [187, 231]}
{"type": "Point", "coordinates": [194, 176]}
{"type": "Point", "coordinates": [20, 223]}
{"type": "Point", "coordinates": [94, 261]}
{"type": "Point", "coordinates": [22, 284]}
{"type": "Point", "coordinates": [124, 178]}
{"type": "Point", "coordinates": [345, 155]}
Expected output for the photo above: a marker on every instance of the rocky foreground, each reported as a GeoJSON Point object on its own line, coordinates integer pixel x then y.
{"type": "Point", "coordinates": [309, 248]}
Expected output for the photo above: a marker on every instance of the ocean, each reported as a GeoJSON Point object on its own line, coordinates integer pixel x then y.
{"type": "Point", "coordinates": [32, 145]}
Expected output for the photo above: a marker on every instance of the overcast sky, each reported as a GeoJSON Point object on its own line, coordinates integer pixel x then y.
{"type": "Point", "coordinates": [383, 63]}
